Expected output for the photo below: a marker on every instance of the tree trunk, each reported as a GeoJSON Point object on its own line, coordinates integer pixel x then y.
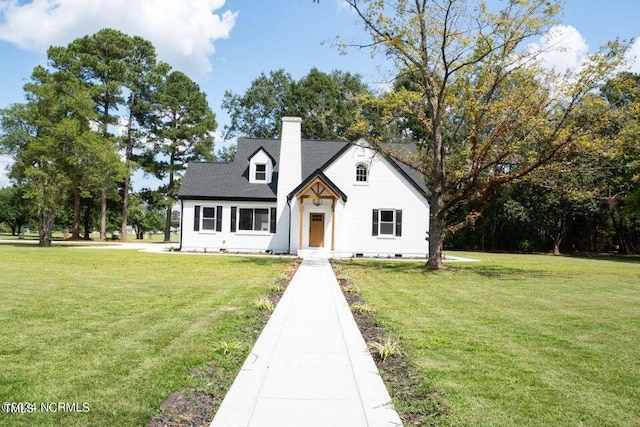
{"type": "Point", "coordinates": [103, 215]}
{"type": "Point", "coordinates": [436, 215]}
{"type": "Point", "coordinates": [127, 160]}
{"type": "Point", "coordinates": [13, 230]}
{"type": "Point", "coordinates": [167, 224]}
{"type": "Point", "coordinates": [45, 227]}
{"type": "Point", "coordinates": [436, 241]}
{"type": "Point", "coordinates": [125, 207]}
{"type": "Point", "coordinates": [75, 234]}
{"type": "Point", "coordinates": [86, 222]}
{"type": "Point", "coordinates": [557, 239]}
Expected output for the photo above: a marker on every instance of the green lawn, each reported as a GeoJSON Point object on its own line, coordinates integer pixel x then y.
{"type": "Point", "coordinates": [518, 340]}
{"type": "Point", "coordinates": [118, 329]}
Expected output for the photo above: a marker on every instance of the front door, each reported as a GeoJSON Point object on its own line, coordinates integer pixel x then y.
{"type": "Point", "coordinates": [316, 230]}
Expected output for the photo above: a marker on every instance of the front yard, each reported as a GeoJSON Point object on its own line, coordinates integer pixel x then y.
{"type": "Point", "coordinates": [517, 340]}
{"type": "Point", "coordinates": [119, 330]}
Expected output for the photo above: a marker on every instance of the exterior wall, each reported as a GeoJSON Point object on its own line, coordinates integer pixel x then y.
{"type": "Point", "coordinates": [386, 189]}
{"type": "Point", "coordinates": [225, 240]}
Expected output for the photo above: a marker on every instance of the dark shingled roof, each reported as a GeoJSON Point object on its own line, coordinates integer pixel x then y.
{"type": "Point", "coordinates": [230, 181]}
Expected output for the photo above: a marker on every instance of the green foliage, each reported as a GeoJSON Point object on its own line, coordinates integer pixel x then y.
{"type": "Point", "coordinates": [361, 308]}
{"type": "Point", "coordinates": [329, 104]}
{"type": "Point", "coordinates": [487, 113]}
{"type": "Point", "coordinates": [264, 304]}
{"type": "Point", "coordinates": [15, 210]}
{"type": "Point", "coordinates": [229, 347]}
{"type": "Point", "coordinates": [386, 348]}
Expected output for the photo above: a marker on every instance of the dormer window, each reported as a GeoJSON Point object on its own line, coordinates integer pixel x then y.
{"type": "Point", "coordinates": [261, 165]}
{"type": "Point", "coordinates": [362, 173]}
{"type": "Point", "coordinates": [261, 172]}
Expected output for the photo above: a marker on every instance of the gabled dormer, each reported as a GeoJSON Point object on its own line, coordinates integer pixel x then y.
{"type": "Point", "coordinates": [261, 165]}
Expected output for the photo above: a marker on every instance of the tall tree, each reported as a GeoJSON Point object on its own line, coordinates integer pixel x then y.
{"type": "Point", "coordinates": [491, 112]}
{"type": "Point", "coordinates": [181, 127]}
{"type": "Point", "coordinates": [50, 139]}
{"type": "Point", "coordinates": [117, 68]}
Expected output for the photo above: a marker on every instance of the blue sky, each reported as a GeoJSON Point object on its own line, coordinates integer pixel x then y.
{"type": "Point", "coordinates": [224, 45]}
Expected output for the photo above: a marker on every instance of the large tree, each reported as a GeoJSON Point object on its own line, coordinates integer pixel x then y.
{"type": "Point", "coordinates": [116, 68]}
{"type": "Point", "coordinates": [181, 126]}
{"type": "Point", "coordinates": [491, 113]}
{"type": "Point", "coordinates": [51, 140]}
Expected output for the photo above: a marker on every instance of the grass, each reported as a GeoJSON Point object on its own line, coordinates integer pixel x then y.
{"type": "Point", "coordinates": [119, 329]}
{"type": "Point", "coordinates": [517, 340]}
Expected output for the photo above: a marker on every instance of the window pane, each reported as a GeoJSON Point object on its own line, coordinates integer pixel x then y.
{"type": "Point", "coordinates": [361, 173]}
{"type": "Point", "coordinates": [386, 228]}
{"type": "Point", "coordinates": [386, 216]}
{"type": "Point", "coordinates": [261, 172]}
{"type": "Point", "coordinates": [208, 218]}
{"type": "Point", "coordinates": [262, 220]}
{"type": "Point", "coordinates": [246, 219]}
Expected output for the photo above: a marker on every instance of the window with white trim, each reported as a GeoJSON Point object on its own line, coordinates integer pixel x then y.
{"type": "Point", "coordinates": [208, 218]}
{"type": "Point", "coordinates": [362, 172]}
{"type": "Point", "coordinates": [386, 222]}
{"type": "Point", "coordinates": [253, 219]}
{"type": "Point", "coordinates": [261, 172]}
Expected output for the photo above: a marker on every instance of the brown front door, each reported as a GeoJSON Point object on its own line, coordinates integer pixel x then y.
{"type": "Point", "coordinates": [316, 230]}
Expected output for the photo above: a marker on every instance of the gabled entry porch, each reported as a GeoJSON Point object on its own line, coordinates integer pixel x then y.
{"type": "Point", "coordinates": [317, 198]}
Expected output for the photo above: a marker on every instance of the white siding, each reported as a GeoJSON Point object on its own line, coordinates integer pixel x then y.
{"type": "Point", "coordinates": [214, 241]}
{"type": "Point", "coordinates": [386, 189]}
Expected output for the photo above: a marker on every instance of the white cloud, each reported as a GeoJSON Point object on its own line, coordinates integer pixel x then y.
{"type": "Point", "coordinates": [633, 56]}
{"type": "Point", "coordinates": [183, 31]}
{"type": "Point", "coordinates": [562, 48]}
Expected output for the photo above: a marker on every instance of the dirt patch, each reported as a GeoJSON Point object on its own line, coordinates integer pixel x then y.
{"type": "Point", "coordinates": [189, 408]}
{"type": "Point", "coordinates": [417, 404]}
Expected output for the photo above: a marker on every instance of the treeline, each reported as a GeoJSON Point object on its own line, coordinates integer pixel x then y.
{"type": "Point", "coordinates": [102, 108]}
{"type": "Point", "coordinates": [587, 200]}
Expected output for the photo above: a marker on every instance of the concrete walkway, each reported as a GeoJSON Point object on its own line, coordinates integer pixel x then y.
{"type": "Point", "coordinates": [310, 366]}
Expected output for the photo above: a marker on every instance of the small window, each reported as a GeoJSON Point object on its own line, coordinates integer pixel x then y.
{"type": "Point", "coordinates": [362, 173]}
{"type": "Point", "coordinates": [387, 222]}
{"type": "Point", "coordinates": [254, 220]}
{"type": "Point", "coordinates": [208, 218]}
{"type": "Point", "coordinates": [261, 172]}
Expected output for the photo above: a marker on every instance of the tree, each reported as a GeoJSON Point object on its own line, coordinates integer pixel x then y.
{"type": "Point", "coordinates": [491, 112]}
{"type": "Point", "coordinates": [15, 211]}
{"type": "Point", "coordinates": [116, 68]}
{"type": "Point", "coordinates": [50, 139]}
{"type": "Point", "coordinates": [620, 180]}
{"type": "Point", "coordinates": [144, 216]}
{"type": "Point", "coordinates": [181, 128]}
{"type": "Point", "coordinates": [329, 104]}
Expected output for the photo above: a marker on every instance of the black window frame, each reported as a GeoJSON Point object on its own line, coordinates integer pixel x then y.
{"type": "Point", "coordinates": [248, 216]}
{"type": "Point", "coordinates": [392, 228]}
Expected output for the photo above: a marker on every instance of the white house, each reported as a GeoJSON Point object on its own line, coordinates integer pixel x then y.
{"type": "Point", "coordinates": [288, 195]}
